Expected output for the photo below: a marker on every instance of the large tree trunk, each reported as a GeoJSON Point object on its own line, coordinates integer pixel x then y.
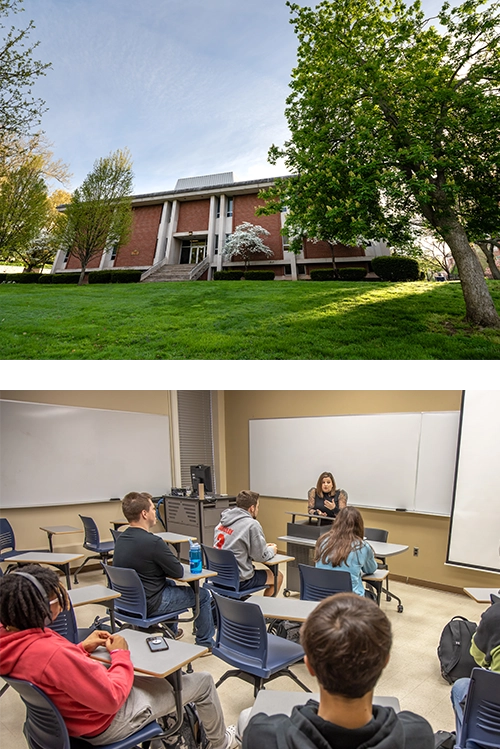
{"type": "Point", "coordinates": [479, 306]}
{"type": "Point", "coordinates": [487, 248]}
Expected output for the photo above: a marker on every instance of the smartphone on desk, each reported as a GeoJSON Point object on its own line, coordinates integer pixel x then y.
{"type": "Point", "coordinates": [157, 643]}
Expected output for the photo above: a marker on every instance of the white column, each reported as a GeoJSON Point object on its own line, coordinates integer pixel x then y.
{"type": "Point", "coordinates": [172, 228]}
{"type": "Point", "coordinates": [221, 222]}
{"type": "Point", "coordinates": [211, 228]}
{"type": "Point", "coordinates": [58, 261]}
{"type": "Point", "coordinates": [162, 234]}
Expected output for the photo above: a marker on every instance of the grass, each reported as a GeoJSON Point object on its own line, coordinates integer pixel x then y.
{"type": "Point", "coordinates": [242, 320]}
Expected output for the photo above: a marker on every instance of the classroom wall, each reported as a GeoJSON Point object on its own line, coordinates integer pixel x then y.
{"type": "Point", "coordinates": [427, 532]}
{"type": "Point", "coordinates": [27, 522]}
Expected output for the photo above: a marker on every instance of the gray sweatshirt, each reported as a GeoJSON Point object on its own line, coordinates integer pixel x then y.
{"type": "Point", "coordinates": [239, 532]}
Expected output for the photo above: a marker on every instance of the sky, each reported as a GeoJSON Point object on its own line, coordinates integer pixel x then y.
{"type": "Point", "coordinates": [191, 87]}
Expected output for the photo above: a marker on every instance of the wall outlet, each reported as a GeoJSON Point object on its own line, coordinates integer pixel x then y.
{"type": "Point", "coordinates": [415, 551]}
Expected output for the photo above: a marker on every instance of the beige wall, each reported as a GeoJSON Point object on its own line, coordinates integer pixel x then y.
{"type": "Point", "coordinates": [27, 521]}
{"type": "Point", "coordinates": [427, 532]}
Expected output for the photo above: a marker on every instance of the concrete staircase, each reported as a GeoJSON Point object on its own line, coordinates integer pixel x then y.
{"type": "Point", "coordinates": [171, 273]}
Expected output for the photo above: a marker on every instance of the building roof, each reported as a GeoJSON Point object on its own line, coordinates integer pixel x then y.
{"type": "Point", "coordinates": [206, 180]}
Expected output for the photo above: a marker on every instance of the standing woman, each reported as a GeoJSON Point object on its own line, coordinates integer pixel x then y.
{"type": "Point", "coordinates": [324, 498]}
{"type": "Point", "coordinates": [344, 548]}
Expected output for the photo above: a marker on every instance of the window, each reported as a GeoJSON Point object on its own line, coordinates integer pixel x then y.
{"type": "Point", "coordinates": [114, 252]}
{"type": "Point", "coordinates": [194, 408]}
{"type": "Point", "coordinates": [66, 257]}
{"type": "Point", "coordinates": [229, 209]}
{"type": "Point", "coordinates": [216, 245]}
{"type": "Point", "coordinates": [301, 270]}
{"type": "Point", "coordinates": [286, 244]}
{"type": "Point", "coordinates": [218, 207]}
{"type": "Point", "coordinates": [288, 270]}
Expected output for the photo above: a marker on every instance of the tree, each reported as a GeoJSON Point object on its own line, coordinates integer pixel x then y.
{"type": "Point", "coordinates": [41, 251]}
{"type": "Point", "coordinates": [19, 110]}
{"type": "Point", "coordinates": [487, 246]}
{"type": "Point", "coordinates": [392, 119]}
{"type": "Point", "coordinates": [99, 215]}
{"type": "Point", "coordinates": [245, 242]}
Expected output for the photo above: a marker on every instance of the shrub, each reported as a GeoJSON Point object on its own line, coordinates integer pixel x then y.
{"type": "Point", "coordinates": [126, 276]}
{"type": "Point", "coordinates": [100, 276]}
{"type": "Point", "coordinates": [395, 268]}
{"type": "Point", "coordinates": [228, 275]}
{"type": "Point", "coordinates": [259, 275]}
{"type": "Point", "coordinates": [322, 274]}
{"type": "Point", "coordinates": [65, 278]}
{"type": "Point", "coordinates": [45, 278]}
{"type": "Point", "coordinates": [352, 274]}
{"type": "Point", "coordinates": [24, 277]}
{"type": "Point", "coordinates": [3, 277]}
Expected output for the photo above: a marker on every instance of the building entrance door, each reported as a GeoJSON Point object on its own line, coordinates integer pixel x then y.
{"type": "Point", "coordinates": [193, 251]}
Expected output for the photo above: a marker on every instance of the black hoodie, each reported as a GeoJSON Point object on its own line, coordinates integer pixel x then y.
{"type": "Point", "coordinates": [304, 729]}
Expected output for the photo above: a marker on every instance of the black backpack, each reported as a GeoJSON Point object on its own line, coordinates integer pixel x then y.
{"type": "Point", "coordinates": [191, 734]}
{"type": "Point", "coordinates": [453, 650]}
{"type": "Point", "coordinates": [288, 630]}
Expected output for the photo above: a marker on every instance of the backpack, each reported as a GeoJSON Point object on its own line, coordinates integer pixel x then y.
{"type": "Point", "coordinates": [288, 630]}
{"type": "Point", "coordinates": [191, 734]}
{"type": "Point", "coordinates": [453, 650]}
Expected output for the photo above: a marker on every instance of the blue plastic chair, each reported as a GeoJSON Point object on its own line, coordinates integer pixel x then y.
{"type": "Point", "coordinates": [317, 583]}
{"type": "Point", "coordinates": [44, 727]}
{"type": "Point", "coordinates": [378, 534]}
{"type": "Point", "coordinates": [103, 550]}
{"type": "Point", "coordinates": [131, 607]}
{"type": "Point", "coordinates": [227, 582]}
{"type": "Point", "coordinates": [481, 726]}
{"type": "Point", "coordinates": [243, 642]}
{"type": "Point", "coordinates": [8, 541]}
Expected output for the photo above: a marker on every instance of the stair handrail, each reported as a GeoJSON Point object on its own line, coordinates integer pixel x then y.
{"type": "Point", "coordinates": [153, 268]}
{"type": "Point", "coordinates": [199, 269]}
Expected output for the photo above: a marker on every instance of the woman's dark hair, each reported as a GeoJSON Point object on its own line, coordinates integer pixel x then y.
{"type": "Point", "coordinates": [347, 640]}
{"type": "Point", "coordinates": [345, 536]}
{"type": "Point", "coordinates": [134, 503]}
{"type": "Point", "coordinates": [324, 475]}
{"type": "Point", "coordinates": [22, 605]}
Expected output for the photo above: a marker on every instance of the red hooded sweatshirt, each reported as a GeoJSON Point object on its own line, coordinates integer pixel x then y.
{"type": "Point", "coordinates": [87, 694]}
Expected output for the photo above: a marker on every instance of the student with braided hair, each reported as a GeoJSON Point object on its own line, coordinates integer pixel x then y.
{"type": "Point", "coordinates": [101, 704]}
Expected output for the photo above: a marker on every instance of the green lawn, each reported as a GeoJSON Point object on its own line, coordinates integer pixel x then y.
{"type": "Point", "coordinates": [242, 320]}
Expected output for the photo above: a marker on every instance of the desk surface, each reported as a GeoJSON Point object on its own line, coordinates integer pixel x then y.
{"type": "Point", "coordinates": [159, 664]}
{"type": "Point", "coordinates": [278, 559]}
{"type": "Point", "coordinates": [190, 577]}
{"type": "Point", "coordinates": [481, 595]}
{"type": "Point", "coordinates": [175, 538]}
{"type": "Point", "coordinates": [92, 594]}
{"type": "Point", "coordinates": [271, 701]}
{"type": "Point", "coordinates": [292, 609]}
{"type": "Point", "coordinates": [380, 549]}
{"type": "Point", "coordinates": [58, 529]}
{"type": "Point", "coordinates": [45, 557]}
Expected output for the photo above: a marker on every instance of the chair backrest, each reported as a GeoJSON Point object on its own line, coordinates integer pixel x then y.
{"type": "Point", "coordinates": [65, 625]}
{"type": "Point", "coordinates": [376, 534]}
{"type": "Point", "coordinates": [91, 533]}
{"type": "Point", "coordinates": [482, 709]}
{"type": "Point", "coordinates": [115, 533]}
{"type": "Point", "coordinates": [44, 727]}
{"type": "Point", "coordinates": [224, 563]}
{"type": "Point", "coordinates": [241, 631]}
{"type": "Point", "coordinates": [127, 582]}
{"type": "Point", "coordinates": [7, 538]}
{"type": "Point", "coordinates": [317, 583]}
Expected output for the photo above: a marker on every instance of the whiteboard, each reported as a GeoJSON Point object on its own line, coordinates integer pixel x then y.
{"type": "Point", "coordinates": [475, 526]}
{"type": "Point", "coordinates": [390, 461]}
{"type": "Point", "coordinates": [58, 455]}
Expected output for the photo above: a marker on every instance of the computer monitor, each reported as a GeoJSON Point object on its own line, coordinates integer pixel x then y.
{"type": "Point", "coordinates": [201, 475]}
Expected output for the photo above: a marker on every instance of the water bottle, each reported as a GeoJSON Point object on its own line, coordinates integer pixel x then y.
{"type": "Point", "coordinates": [195, 565]}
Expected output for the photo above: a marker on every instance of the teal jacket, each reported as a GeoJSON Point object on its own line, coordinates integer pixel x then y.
{"type": "Point", "coordinates": [359, 562]}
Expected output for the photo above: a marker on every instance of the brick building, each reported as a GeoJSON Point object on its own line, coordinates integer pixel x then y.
{"type": "Point", "coordinates": [180, 234]}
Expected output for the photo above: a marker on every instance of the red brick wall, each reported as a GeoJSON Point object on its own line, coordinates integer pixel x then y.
{"type": "Point", "coordinates": [193, 215]}
{"type": "Point", "coordinates": [140, 249]}
{"type": "Point", "coordinates": [244, 210]}
{"type": "Point", "coordinates": [322, 249]}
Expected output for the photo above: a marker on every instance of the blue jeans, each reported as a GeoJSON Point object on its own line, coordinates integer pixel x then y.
{"type": "Point", "coordinates": [458, 694]}
{"type": "Point", "coordinates": [175, 597]}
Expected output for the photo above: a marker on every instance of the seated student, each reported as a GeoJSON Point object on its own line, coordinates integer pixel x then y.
{"type": "Point", "coordinates": [240, 532]}
{"type": "Point", "coordinates": [154, 562]}
{"type": "Point", "coordinates": [485, 649]}
{"type": "Point", "coordinates": [324, 498]}
{"type": "Point", "coordinates": [347, 640]}
{"type": "Point", "coordinates": [102, 704]}
{"type": "Point", "coordinates": [343, 548]}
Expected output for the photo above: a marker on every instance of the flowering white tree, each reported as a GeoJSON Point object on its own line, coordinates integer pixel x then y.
{"type": "Point", "coordinates": [246, 241]}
